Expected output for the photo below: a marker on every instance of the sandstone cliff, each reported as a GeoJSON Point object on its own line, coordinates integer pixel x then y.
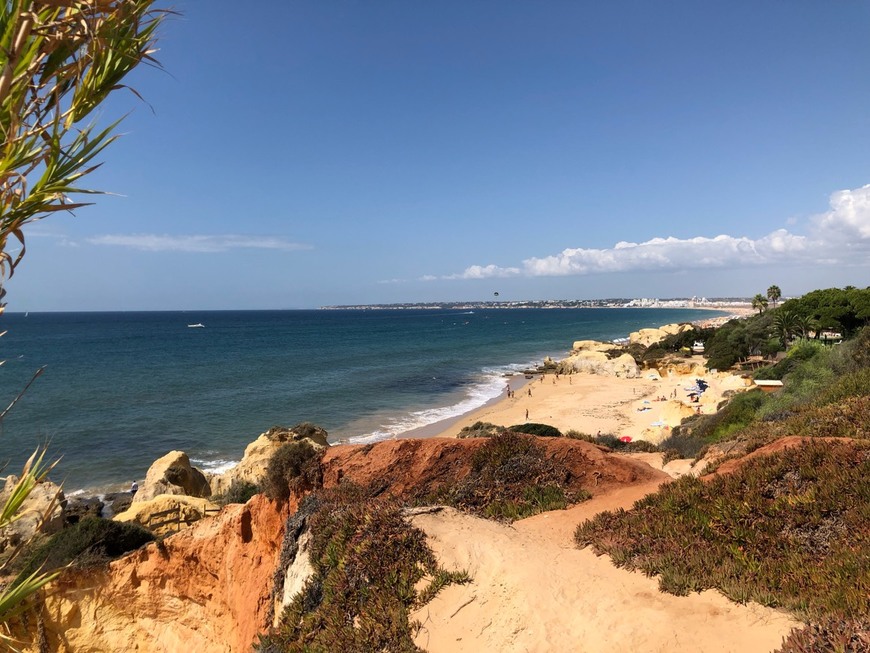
{"type": "Point", "coordinates": [205, 589]}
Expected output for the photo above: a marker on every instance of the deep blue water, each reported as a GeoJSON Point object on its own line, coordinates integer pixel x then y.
{"type": "Point", "coordinates": [122, 389]}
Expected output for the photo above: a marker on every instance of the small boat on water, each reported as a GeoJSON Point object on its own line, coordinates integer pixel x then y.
{"type": "Point", "coordinates": [198, 325]}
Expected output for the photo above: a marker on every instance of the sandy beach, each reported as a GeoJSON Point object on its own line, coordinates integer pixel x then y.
{"type": "Point", "coordinates": [645, 408]}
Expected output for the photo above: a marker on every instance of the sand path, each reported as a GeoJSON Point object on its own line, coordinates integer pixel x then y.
{"type": "Point", "coordinates": [533, 591]}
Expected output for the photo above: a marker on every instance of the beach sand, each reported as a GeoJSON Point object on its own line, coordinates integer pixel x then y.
{"type": "Point", "coordinates": [594, 404]}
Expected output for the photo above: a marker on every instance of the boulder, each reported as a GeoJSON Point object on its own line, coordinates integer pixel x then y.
{"type": "Point", "coordinates": [252, 468]}
{"type": "Point", "coordinates": [167, 513]}
{"type": "Point", "coordinates": [46, 499]}
{"type": "Point", "coordinates": [173, 474]}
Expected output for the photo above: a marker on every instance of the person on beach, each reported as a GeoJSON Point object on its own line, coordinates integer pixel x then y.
{"type": "Point", "coordinates": [527, 413]}
{"type": "Point", "coordinates": [530, 392]}
{"type": "Point", "coordinates": [134, 488]}
{"type": "Point", "coordinates": [509, 390]}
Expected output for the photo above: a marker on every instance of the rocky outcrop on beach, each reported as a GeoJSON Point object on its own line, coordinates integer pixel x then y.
{"type": "Point", "coordinates": [253, 465]}
{"type": "Point", "coordinates": [173, 474]}
{"type": "Point", "coordinates": [647, 337]}
{"type": "Point", "coordinates": [591, 358]}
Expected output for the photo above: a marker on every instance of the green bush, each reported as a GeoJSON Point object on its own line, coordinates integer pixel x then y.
{"type": "Point", "coordinates": [480, 430]}
{"type": "Point", "coordinates": [681, 444]}
{"type": "Point", "coordinates": [294, 465]}
{"type": "Point", "coordinates": [90, 542]}
{"type": "Point", "coordinates": [511, 478]}
{"type": "Point", "coordinates": [853, 384]}
{"type": "Point", "coordinates": [577, 435]}
{"type": "Point", "coordinates": [531, 428]}
{"type": "Point", "coordinates": [238, 492]}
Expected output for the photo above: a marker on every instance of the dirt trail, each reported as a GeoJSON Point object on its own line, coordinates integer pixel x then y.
{"type": "Point", "coordinates": [534, 591]}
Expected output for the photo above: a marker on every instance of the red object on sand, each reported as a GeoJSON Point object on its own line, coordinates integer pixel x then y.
{"type": "Point", "coordinates": [626, 438]}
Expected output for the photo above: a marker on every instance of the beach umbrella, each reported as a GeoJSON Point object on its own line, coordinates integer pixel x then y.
{"type": "Point", "coordinates": [625, 438]}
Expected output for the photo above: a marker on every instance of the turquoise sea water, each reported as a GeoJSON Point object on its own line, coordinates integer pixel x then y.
{"type": "Point", "coordinates": [122, 389]}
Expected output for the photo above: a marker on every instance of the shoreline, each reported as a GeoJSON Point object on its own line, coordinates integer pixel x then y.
{"type": "Point", "coordinates": [597, 404]}
{"type": "Point", "coordinates": [547, 404]}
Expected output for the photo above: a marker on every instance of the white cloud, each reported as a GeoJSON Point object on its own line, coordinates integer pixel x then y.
{"type": "Point", "coordinates": [485, 272]}
{"type": "Point", "coordinates": [195, 243]}
{"type": "Point", "coordinates": [836, 237]}
{"type": "Point", "coordinates": [849, 217]}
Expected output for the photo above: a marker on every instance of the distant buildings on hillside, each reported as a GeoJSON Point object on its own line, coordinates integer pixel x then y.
{"type": "Point", "coordinates": [693, 302]}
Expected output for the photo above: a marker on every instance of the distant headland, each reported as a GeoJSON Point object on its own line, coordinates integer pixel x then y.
{"type": "Point", "coordinates": [678, 302]}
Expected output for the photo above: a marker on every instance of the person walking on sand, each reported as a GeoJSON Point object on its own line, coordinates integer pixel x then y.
{"type": "Point", "coordinates": [530, 392]}
{"type": "Point", "coordinates": [527, 413]}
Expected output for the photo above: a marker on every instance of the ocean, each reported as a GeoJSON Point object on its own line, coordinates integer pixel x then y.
{"type": "Point", "coordinates": [119, 390]}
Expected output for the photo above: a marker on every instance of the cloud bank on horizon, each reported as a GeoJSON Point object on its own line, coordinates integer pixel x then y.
{"type": "Point", "coordinates": [840, 236]}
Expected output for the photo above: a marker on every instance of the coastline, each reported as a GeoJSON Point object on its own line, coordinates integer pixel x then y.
{"type": "Point", "coordinates": [583, 404]}
{"type": "Point", "coordinates": [593, 404]}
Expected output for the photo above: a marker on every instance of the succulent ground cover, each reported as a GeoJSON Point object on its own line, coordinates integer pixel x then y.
{"type": "Point", "coordinates": [371, 567]}
{"type": "Point", "coordinates": [790, 530]}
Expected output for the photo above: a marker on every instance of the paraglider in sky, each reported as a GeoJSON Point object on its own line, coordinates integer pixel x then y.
{"type": "Point", "coordinates": [495, 294]}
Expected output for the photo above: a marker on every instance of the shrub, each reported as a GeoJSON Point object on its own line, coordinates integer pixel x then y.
{"type": "Point", "coordinates": [90, 542]}
{"type": "Point", "coordinates": [480, 430]}
{"type": "Point", "coordinates": [577, 435]}
{"type": "Point", "coordinates": [511, 478]}
{"type": "Point", "coordinates": [294, 465]}
{"type": "Point", "coordinates": [544, 430]}
{"type": "Point", "coordinates": [680, 444]}
{"type": "Point", "coordinates": [852, 384]}
{"type": "Point", "coordinates": [238, 492]}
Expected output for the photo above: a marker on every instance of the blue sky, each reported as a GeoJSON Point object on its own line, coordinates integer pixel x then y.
{"type": "Point", "coordinates": [308, 153]}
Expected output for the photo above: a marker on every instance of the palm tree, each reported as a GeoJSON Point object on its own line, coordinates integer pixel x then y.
{"type": "Point", "coordinates": [59, 60]}
{"type": "Point", "coordinates": [773, 294]}
{"type": "Point", "coordinates": [759, 303]}
{"type": "Point", "coordinates": [804, 325]}
{"type": "Point", "coordinates": [785, 325]}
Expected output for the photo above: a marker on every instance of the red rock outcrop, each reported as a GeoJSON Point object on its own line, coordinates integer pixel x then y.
{"type": "Point", "coordinates": [416, 467]}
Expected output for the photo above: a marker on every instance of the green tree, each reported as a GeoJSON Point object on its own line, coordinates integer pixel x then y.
{"type": "Point", "coordinates": [759, 303]}
{"type": "Point", "coordinates": [785, 325]}
{"type": "Point", "coordinates": [59, 60]}
{"type": "Point", "coordinates": [773, 294]}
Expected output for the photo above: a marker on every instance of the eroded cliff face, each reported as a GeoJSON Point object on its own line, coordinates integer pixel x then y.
{"type": "Point", "coordinates": [209, 588]}
{"type": "Point", "coordinates": [205, 589]}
